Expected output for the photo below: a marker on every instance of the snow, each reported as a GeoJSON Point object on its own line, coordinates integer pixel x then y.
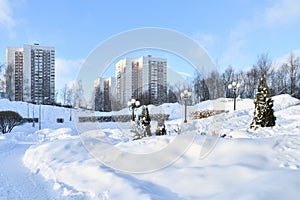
{"type": "Point", "coordinates": [17, 181]}
{"type": "Point", "coordinates": [56, 162]}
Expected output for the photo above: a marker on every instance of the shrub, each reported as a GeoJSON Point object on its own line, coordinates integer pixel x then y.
{"type": "Point", "coordinates": [199, 114]}
{"type": "Point", "coordinates": [59, 120]}
{"type": "Point", "coordinates": [8, 120]}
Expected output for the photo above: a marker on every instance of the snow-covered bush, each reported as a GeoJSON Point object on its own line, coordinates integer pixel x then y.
{"type": "Point", "coordinates": [8, 120]}
{"type": "Point", "coordinates": [145, 120]}
{"type": "Point", "coordinates": [161, 127]}
{"type": "Point", "coordinates": [263, 112]}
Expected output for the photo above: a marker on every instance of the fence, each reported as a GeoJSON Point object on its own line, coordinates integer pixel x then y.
{"type": "Point", "coordinates": [120, 118]}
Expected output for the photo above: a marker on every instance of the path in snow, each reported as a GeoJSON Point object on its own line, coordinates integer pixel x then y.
{"type": "Point", "coordinates": [17, 182]}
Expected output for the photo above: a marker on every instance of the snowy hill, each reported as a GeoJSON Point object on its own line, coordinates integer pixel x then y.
{"type": "Point", "coordinates": [246, 164]}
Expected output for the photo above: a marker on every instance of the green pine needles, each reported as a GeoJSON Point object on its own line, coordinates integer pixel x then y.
{"type": "Point", "coordinates": [263, 112]}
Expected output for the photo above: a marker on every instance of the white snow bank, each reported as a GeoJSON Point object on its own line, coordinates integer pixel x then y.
{"type": "Point", "coordinates": [229, 171]}
{"type": "Point", "coordinates": [283, 101]}
{"type": "Point", "coordinates": [49, 114]}
{"type": "Point", "coordinates": [287, 112]}
{"type": "Point", "coordinates": [247, 164]}
{"type": "Point", "coordinates": [67, 163]}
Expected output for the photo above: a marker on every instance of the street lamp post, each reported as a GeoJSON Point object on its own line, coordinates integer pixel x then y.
{"type": "Point", "coordinates": [70, 114]}
{"type": "Point", "coordinates": [234, 86]}
{"type": "Point", "coordinates": [40, 112]}
{"type": "Point", "coordinates": [133, 105]}
{"type": "Point", "coordinates": [185, 95]}
{"type": "Point", "coordinates": [40, 117]}
{"type": "Point", "coordinates": [27, 110]}
{"type": "Point", "coordinates": [33, 125]}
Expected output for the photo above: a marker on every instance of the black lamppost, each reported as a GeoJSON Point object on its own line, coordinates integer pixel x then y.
{"type": "Point", "coordinates": [185, 95]}
{"type": "Point", "coordinates": [40, 112]}
{"type": "Point", "coordinates": [33, 125]}
{"type": "Point", "coordinates": [133, 105]}
{"type": "Point", "coordinates": [234, 86]}
{"type": "Point", "coordinates": [70, 114]}
{"type": "Point", "coordinates": [27, 110]}
{"type": "Point", "coordinates": [40, 117]}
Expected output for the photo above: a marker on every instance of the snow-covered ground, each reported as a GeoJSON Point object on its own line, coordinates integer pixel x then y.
{"type": "Point", "coordinates": [58, 163]}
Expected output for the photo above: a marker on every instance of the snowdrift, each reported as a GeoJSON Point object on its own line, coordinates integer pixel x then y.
{"type": "Point", "coordinates": [246, 164]}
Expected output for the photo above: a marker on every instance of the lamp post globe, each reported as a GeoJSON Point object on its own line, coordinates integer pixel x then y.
{"type": "Point", "coordinates": [234, 86]}
{"type": "Point", "coordinates": [185, 95]}
{"type": "Point", "coordinates": [132, 106]}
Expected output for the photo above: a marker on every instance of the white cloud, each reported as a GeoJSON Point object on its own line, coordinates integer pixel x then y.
{"type": "Point", "coordinates": [176, 77]}
{"type": "Point", "coordinates": [234, 54]}
{"type": "Point", "coordinates": [284, 59]}
{"type": "Point", "coordinates": [185, 75]}
{"type": "Point", "coordinates": [283, 12]}
{"type": "Point", "coordinates": [278, 15]}
{"type": "Point", "coordinates": [6, 17]}
{"type": "Point", "coordinates": [205, 40]}
{"type": "Point", "coordinates": [66, 71]}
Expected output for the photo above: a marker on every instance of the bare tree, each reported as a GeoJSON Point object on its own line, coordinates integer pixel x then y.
{"type": "Point", "coordinates": [63, 94]}
{"type": "Point", "coordinates": [197, 87]}
{"type": "Point", "coordinates": [281, 81]}
{"type": "Point", "coordinates": [2, 82]}
{"type": "Point", "coordinates": [273, 82]}
{"type": "Point", "coordinates": [78, 95]}
{"type": "Point", "coordinates": [228, 77]}
{"type": "Point", "coordinates": [176, 89]}
{"type": "Point", "coordinates": [251, 82]}
{"type": "Point", "coordinates": [172, 98]}
{"type": "Point", "coordinates": [264, 64]}
{"type": "Point", "coordinates": [69, 96]}
{"type": "Point", "coordinates": [291, 69]}
{"type": "Point", "coordinates": [215, 85]}
{"type": "Point", "coordinates": [240, 78]}
{"type": "Point", "coordinates": [298, 87]}
{"type": "Point", "coordinates": [200, 89]}
{"type": "Point", "coordinates": [8, 120]}
{"type": "Point", "coordinates": [9, 80]}
{"type": "Point", "coordinates": [2, 68]}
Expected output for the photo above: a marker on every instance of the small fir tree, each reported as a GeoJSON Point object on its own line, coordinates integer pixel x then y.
{"type": "Point", "coordinates": [263, 113]}
{"type": "Point", "coordinates": [146, 121]}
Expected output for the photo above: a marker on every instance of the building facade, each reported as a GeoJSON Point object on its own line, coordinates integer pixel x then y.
{"type": "Point", "coordinates": [14, 73]}
{"type": "Point", "coordinates": [144, 79]}
{"type": "Point", "coordinates": [104, 89]}
{"type": "Point", "coordinates": [124, 74]}
{"type": "Point", "coordinates": [31, 74]}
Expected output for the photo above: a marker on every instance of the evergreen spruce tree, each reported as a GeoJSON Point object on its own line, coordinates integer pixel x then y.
{"type": "Point", "coordinates": [145, 122]}
{"type": "Point", "coordinates": [263, 112]}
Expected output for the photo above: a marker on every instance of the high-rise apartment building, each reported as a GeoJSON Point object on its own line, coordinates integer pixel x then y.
{"type": "Point", "coordinates": [31, 73]}
{"type": "Point", "coordinates": [14, 71]}
{"type": "Point", "coordinates": [125, 69]}
{"type": "Point", "coordinates": [144, 79]}
{"type": "Point", "coordinates": [104, 89]}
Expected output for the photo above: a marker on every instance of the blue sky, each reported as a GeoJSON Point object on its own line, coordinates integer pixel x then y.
{"type": "Point", "coordinates": [233, 32]}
